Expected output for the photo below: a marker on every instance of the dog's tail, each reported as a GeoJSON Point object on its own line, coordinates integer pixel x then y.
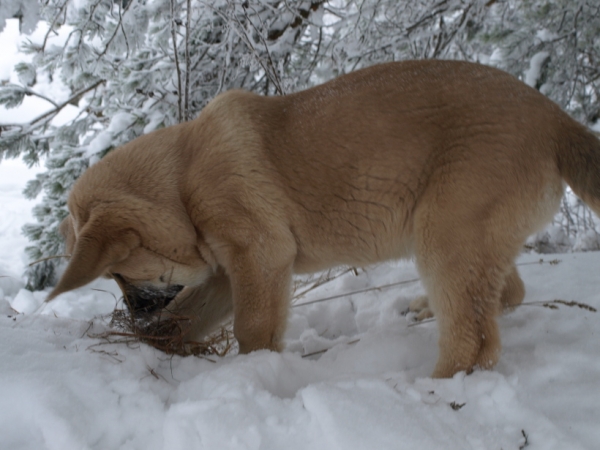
{"type": "Point", "coordinates": [579, 164]}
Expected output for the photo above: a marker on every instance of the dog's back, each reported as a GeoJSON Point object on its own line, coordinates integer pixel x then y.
{"type": "Point", "coordinates": [357, 155]}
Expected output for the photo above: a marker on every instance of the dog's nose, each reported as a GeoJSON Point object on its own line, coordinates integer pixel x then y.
{"type": "Point", "coordinates": [146, 299]}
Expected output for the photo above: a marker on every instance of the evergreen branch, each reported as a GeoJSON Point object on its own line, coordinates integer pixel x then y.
{"type": "Point", "coordinates": [53, 112]}
{"type": "Point", "coordinates": [28, 91]}
{"type": "Point", "coordinates": [112, 38]}
{"type": "Point", "coordinates": [114, 35]}
{"type": "Point", "coordinates": [51, 28]}
{"type": "Point", "coordinates": [74, 98]}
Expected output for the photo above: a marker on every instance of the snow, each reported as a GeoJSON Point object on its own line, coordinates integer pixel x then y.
{"type": "Point", "coordinates": [120, 121]}
{"type": "Point", "coordinates": [28, 9]}
{"type": "Point", "coordinates": [101, 142]}
{"type": "Point", "coordinates": [546, 35]}
{"type": "Point", "coordinates": [63, 388]}
{"type": "Point", "coordinates": [14, 213]}
{"type": "Point", "coordinates": [32, 106]}
{"type": "Point", "coordinates": [532, 75]}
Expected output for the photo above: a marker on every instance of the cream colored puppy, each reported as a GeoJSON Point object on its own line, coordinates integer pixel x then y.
{"type": "Point", "coordinates": [452, 162]}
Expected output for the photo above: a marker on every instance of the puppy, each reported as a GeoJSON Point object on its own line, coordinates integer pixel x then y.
{"type": "Point", "coordinates": [453, 163]}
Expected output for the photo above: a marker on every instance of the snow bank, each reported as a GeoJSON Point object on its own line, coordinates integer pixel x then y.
{"type": "Point", "coordinates": [354, 374]}
{"type": "Point", "coordinates": [61, 388]}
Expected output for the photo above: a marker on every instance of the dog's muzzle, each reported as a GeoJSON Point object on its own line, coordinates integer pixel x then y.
{"type": "Point", "coordinates": [146, 299]}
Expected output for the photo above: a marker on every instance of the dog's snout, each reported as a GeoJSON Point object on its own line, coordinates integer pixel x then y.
{"type": "Point", "coordinates": [146, 299]}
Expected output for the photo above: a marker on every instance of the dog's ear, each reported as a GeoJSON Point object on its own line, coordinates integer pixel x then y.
{"type": "Point", "coordinates": [97, 246]}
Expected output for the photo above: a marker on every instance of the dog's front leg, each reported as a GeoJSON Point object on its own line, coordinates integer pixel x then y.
{"type": "Point", "coordinates": [261, 292]}
{"type": "Point", "coordinates": [206, 306]}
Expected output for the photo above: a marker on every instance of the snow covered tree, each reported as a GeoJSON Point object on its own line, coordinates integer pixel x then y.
{"type": "Point", "coordinates": [554, 46]}
{"type": "Point", "coordinates": [132, 66]}
{"type": "Point", "coordinates": [27, 11]}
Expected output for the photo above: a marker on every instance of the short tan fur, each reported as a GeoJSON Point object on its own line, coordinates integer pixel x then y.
{"type": "Point", "coordinates": [453, 163]}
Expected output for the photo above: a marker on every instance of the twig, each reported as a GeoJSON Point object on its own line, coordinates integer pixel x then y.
{"type": "Point", "coordinates": [166, 335]}
{"type": "Point", "coordinates": [552, 304]}
{"type": "Point", "coordinates": [542, 304]}
{"type": "Point", "coordinates": [421, 322]}
{"type": "Point", "coordinates": [188, 27]}
{"type": "Point", "coordinates": [360, 291]}
{"type": "Point", "coordinates": [327, 349]}
{"type": "Point", "coordinates": [269, 66]}
{"type": "Point", "coordinates": [112, 355]}
{"type": "Point", "coordinates": [47, 258]}
{"type": "Point", "coordinates": [526, 443]}
{"type": "Point", "coordinates": [456, 406]}
{"type": "Point", "coordinates": [28, 91]}
{"type": "Point", "coordinates": [90, 325]}
{"type": "Point", "coordinates": [152, 372]}
{"type": "Point", "coordinates": [108, 292]}
{"type": "Point", "coordinates": [51, 27]}
{"type": "Point", "coordinates": [56, 109]}
{"type": "Point", "coordinates": [114, 35]}
{"type": "Point", "coordinates": [323, 281]}
{"type": "Point", "coordinates": [552, 262]}
{"type": "Point", "coordinates": [174, 37]}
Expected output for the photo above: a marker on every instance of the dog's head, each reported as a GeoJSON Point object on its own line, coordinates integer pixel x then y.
{"type": "Point", "coordinates": [124, 224]}
{"type": "Point", "coordinates": [149, 277]}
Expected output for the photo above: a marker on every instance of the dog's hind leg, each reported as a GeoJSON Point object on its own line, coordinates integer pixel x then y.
{"type": "Point", "coordinates": [511, 297]}
{"type": "Point", "coordinates": [464, 263]}
{"type": "Point", "coordinates": [465, 298]}
{"type": "Point", "coordinates": [513, 291]}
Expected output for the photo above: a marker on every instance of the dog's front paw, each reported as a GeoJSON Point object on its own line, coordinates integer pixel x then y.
{"type": "Point", "coordinates": [420, 306]}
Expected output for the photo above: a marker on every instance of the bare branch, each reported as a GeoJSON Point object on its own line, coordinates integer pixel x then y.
{"type": "Point", "coordinates": [188, 30]}
{"type": "Point", "coordinates": [58, 107]}
{"type": "Point", "coordinates": [176, 54]}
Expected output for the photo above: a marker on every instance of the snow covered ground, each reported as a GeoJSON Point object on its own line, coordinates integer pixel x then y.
{"type": "Point", "coordinates": [61, 388]}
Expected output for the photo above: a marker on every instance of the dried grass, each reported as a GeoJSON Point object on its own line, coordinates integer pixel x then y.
{"type": "Point", "coordinates": [554, 304]}
{"type": "Point", "coordinates": [166, 334]}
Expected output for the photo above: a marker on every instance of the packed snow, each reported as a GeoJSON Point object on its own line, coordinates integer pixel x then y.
{"type": "Point", "coordinates": [354, 374]}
